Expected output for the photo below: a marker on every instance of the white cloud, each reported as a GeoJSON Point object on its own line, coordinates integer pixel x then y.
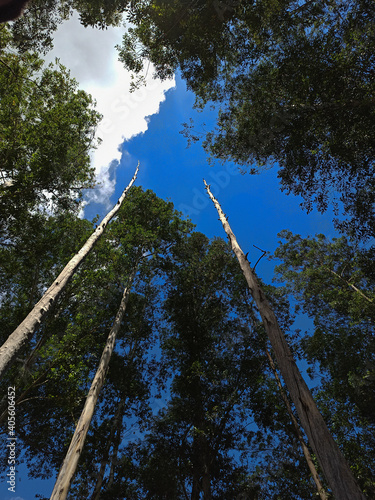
{"type": "Point", "coordinates": [90, 55]}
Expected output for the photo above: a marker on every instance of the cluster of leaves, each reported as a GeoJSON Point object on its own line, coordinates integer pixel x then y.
{"type": "Point", "coordinates": [293, 83]}
{"type": "Point", "coordinates": [35, 29]}
{"type": "Point", "coordinates": [47, 130]}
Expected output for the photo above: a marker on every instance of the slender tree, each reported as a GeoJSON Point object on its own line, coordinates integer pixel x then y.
{"type": "Point", "coordinates": [314, 473]}
{"type": "Point", "coordinates": [117, 420]}
{"type": "Point", "coordinates": [333, 463]}
{"type": "Point", "coordinates": [69, 465]}
{"type": "Point", "coordinates": [152, 226]}
{"type": "Point", "coordinates": [25, 330]}
{"type": "Point", "coordinates": [333, 283]}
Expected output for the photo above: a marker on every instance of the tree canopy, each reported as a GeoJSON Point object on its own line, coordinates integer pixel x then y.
{"type": "Point", "coordinates": [292, 83]}
{"type": "Point", "coordinates": [47, 130]}
{"type": "Point", "coordinates": [333, 283]}
{"type": "Point", "coordinates": [191, 409]}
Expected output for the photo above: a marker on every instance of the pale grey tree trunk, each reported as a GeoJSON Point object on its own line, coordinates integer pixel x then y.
{"type": "Point", "coordinates": [69, 465]}
{"type": "Point", "coordinates": [117, 420]}
{"type": "Point", "coordinates": [314, 473]}
{"type": "Point", "coordinates": [113, 458]}
{"type": "Point", "coordinates": [116, 441]}
{"type": "Point", "coordinates": [334, 466]}
{"type": "Point", "coordinates": [25, 330]}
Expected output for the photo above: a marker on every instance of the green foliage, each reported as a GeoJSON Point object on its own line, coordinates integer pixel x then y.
{"type": "Point", "coordinates": [30, 258]}
{"type": "Point", "coordinates": [50, 376]}
{"type": "Point", "coordinates": [47, 128]}
{"type": "Point", "coordinates": [334, 274]}
{"type": "Point", "coordinates": [213, 376]}
{"type": "Point", "coordinates": [294, 87]}
{"type": "Point", "coordinates": [35, 29]}
{"type": "Point", "coordinates": [334, 283]}
{"type": "Point", "coordinates": [191, 334]}
{"type": "Point", "coordinates": [53, 375]}
{"type": "Point", "coordinates": [99, 13]}
{"type": "Point", "coordinates": [292, 82]}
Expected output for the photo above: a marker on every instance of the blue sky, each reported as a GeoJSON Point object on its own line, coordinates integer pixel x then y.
{"type": "Point", "coordinates": [256, 207]}
{"type": "Point", "coordinates": [146, 127]}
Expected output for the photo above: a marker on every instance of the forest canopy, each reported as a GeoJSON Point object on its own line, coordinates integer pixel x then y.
{"type": "Point", "coordinates": [170, 338]}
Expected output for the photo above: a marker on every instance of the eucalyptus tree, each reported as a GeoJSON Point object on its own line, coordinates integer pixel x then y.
{"type": "Point", "coordinates": [70, 462]}
{"type": "Point", "coordinates": [306, 452]}
{"type": "Point", "coordinates": [156, 226]}
{"type": "Point", "coordinates": [51, 373]}
{"type": "Point", "coordinates": [333, 283]}
{"type": "Point", "coordinates": [29, 262]}
{"type": "Point", "coordinates": [26, 270]}
{"type": "Point", "coordinates": [52, 394]}
{"type": "Point", "coordinates": [26, 328]}
{"type": "Point", "coordinates": [47, 127]}
{"type": "Point", "coordinates": [214, 378]}
{"type": "Point", "coordinates": [333, 463]}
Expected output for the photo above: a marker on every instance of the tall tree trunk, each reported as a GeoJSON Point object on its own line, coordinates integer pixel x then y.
{"type": "Point", "coordinates": [114, 455]}
{"type": "Point", "coordinates": [25, 330]}
{"type": "Point", "coordinates": [206, 476]}
{"type": "Point", "coordinates": [115, 424]}
{"type": "Point", "coordinates": [331, 460]}
{"type": "Point", "coordinates": [322, 493]}
{"type": "Point", "coordinates": [195, 490]}
{"type": "Point", "coordinates": [69, 465]}
{"type": "Point", "coordinates": [115, 435]}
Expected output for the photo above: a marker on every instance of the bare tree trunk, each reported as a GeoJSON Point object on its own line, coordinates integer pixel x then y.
{"type": "Point", "coordinates": [331, 460]}
{"type": "Point", "coordinates": [195, 491]}
{"type": "Point", "coordinates": [206, 481]}
{"type": "Point", "coordinates": [114, 438]}
{"type": "Point", "coordinates": [69, 465]}
{"type": "Point", "coordinates": [322, 493]}
{"type": "Point", "coordinates": [114, 455]}
{"type": "Point", "coordinates": [116, 420]}
{"type": "Point", "coordinates": [25, 330]}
